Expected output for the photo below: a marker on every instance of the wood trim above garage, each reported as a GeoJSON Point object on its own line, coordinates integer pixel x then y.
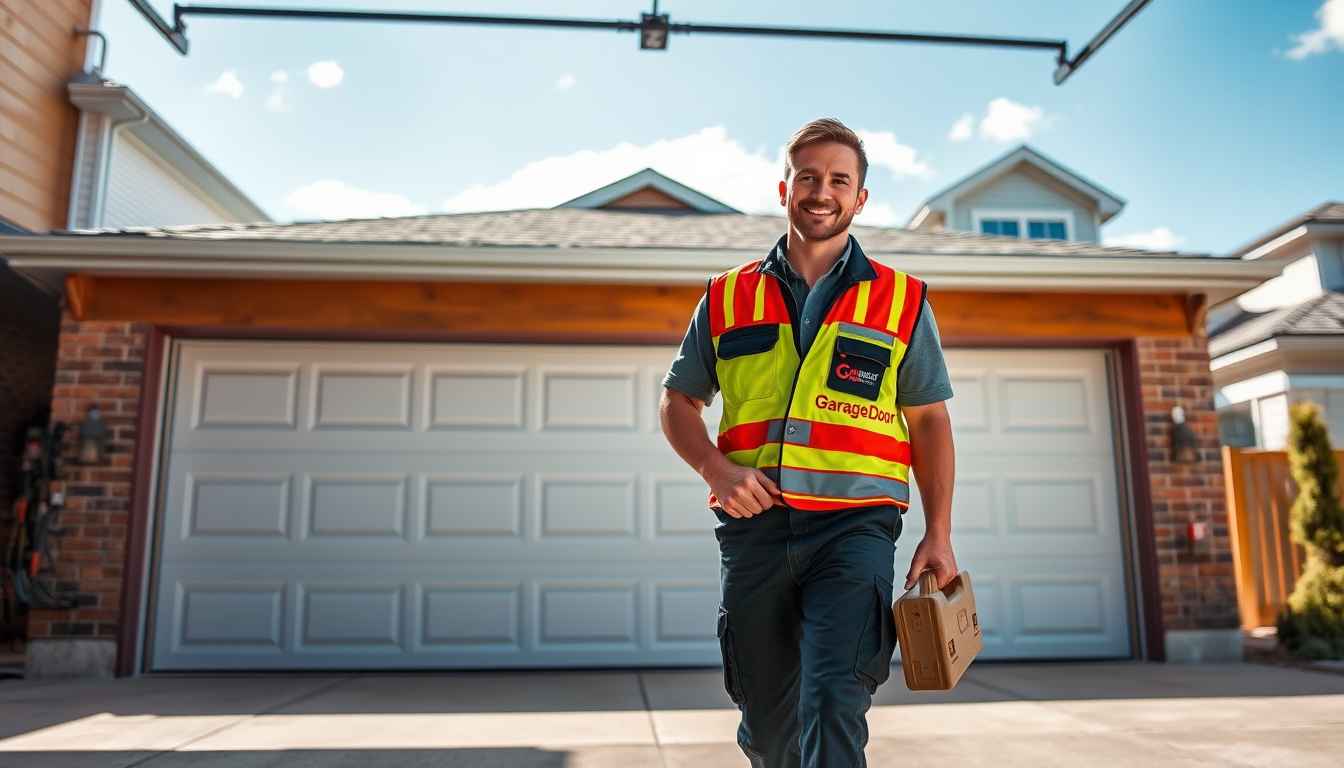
{"type": "Point", "coordinates": [574, 312]}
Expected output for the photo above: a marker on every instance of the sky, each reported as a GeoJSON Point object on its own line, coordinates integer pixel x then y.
{"type": "Point", "coordinates": [1216, 120]}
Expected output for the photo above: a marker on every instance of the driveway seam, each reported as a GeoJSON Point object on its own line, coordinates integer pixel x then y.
{"type": "Point", "coordinates": [653, 724]}
{"type": "Point", "coordinates": [245, 718]}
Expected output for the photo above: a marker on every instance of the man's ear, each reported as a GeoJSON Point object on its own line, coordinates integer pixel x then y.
{"type": "Point", "coordinates": [863, 198]}
{"type": "Point", "coordinates": [784, 193]}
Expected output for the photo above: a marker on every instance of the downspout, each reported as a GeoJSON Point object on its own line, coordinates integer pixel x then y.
{"type": "Point", "coordinates": [109, 143]}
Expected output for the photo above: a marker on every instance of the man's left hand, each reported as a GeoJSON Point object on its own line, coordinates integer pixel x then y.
{"type": "Point", "coordinates": [934, 553]}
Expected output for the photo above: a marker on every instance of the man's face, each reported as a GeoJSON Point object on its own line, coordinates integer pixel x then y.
{"type": "Point", "coordinates": [822, 195]}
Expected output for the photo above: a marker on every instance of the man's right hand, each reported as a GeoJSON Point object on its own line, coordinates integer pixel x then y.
{"type": "Point", "coordinates": [743, 491]}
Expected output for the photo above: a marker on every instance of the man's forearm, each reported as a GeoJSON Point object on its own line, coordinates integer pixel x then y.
{"type": "Point", "coordinates": [685, 432]}
{"type": "Point", "coordinates": [934, 462]}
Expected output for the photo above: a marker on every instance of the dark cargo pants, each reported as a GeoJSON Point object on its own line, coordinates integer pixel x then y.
{"type": "Point", "coordinates": [806, 630]}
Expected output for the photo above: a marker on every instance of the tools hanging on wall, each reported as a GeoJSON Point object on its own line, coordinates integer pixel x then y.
{"type": "Point", "coordinates": [27, 551]}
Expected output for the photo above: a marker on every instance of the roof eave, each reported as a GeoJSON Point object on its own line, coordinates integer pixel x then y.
{"type": "Point", "coordinates": [49, 259]}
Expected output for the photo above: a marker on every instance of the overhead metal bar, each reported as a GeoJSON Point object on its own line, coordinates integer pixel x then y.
{"type": "Point", "coordinates": [1067, 68]}
{"type": "Point", "coordinates": [653, 28]}
{"type": "Point", "coordinates": [175, 34]}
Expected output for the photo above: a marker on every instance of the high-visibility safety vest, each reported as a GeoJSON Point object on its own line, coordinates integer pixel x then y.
{"type": "Point", "coordinates": [826, 427]}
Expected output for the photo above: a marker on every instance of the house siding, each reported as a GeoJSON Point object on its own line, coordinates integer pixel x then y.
{"type": "Point", "coordinates": [143, 191]}
{"type": "Point", "coordinates": [38, 55]}
{"type": "Point", "coordinates": [1027, 189]}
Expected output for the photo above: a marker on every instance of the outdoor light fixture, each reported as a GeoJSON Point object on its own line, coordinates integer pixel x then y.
{"type": "Point", "coordinates": [1184, 443]}
{"type": "Point", "coordinates": [93, 435]}
{"type": "Point", "coordinates": [653, 28]}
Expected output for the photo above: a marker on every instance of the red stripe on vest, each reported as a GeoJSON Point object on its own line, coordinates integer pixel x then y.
{"type": "Point", "coordinates": [830, 505]}
{"type": "Point", "coordinates": [913, 290]}
{"type": "Point", "coordinates": [839, 437]}
{"type": "Point", "coordinates": [715, 299]}
{"type": "Point", "coordinates": [879, 298]}
{"type": "Point", "coordinates": [744, 297]}
{"type": "Point", "coordinates": [745, 437]}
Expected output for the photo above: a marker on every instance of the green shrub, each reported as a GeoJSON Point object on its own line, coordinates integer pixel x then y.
{"type": "Point", "coordinates": [1312, 625]}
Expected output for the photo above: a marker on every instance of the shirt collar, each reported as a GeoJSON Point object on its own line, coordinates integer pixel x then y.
{"type": "Point", "coordinates": [852, 261]}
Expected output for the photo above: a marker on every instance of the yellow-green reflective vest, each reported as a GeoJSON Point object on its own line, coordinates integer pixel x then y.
{"type": "Point", "coordinates": [825, 428]}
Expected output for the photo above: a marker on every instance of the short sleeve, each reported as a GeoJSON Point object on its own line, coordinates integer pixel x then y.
{"type": "Point", "coordinates": [692, 372]}
{"type": "Point", "coordinates": [922, 376]}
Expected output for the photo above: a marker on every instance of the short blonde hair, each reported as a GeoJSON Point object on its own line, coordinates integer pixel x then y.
{"type": "Point", "coordinates": [822, 130]}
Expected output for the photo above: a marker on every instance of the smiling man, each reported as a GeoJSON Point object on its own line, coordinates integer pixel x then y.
{"type": "Point", "coordinates": [833, 386]}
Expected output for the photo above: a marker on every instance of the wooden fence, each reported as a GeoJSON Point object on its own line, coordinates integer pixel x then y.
{"type": "Point", "coordinates": [1260, 491]}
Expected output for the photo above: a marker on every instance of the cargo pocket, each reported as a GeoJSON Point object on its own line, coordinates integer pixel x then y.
{"type": "Point", "coordinates": [731, 682]}
{"type": "Point", "coordinates": [746, 364]}
{"type": "Point", "coordinates": [877, 644]}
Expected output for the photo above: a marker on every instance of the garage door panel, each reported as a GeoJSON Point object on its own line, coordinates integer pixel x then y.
{"type": "Point", "coordinates": [383, 506]}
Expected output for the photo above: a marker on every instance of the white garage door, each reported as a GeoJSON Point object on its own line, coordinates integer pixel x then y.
{"type": "Point", "coordinates": [377, 506]}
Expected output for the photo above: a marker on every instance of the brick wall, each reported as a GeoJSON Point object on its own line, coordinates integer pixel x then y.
{"type": "Point", "coordinates": [28, 323]}
{"type": "Point", "coordinates": [1197, 584]}
{"type": "Point", "coordinates": [97, 363]}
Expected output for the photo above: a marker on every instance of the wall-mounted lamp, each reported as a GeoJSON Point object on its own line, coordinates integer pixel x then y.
{"type": "Point", "coordinates": [93, 435]}
{"type": "Point", "coordinates": [1184, 443]}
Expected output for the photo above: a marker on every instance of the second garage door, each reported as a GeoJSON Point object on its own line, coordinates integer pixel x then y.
{"type": "Point", "coordinates": [378, 506]}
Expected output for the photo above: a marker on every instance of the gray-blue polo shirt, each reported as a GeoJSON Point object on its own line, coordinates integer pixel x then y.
{"type": "Point", "coordinates": [921, 379]}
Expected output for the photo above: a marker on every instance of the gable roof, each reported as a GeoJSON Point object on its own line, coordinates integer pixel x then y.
{"type": "Point", "coordinates": [1318, 316]}
{"type": "Point", "coordinates": [1329, 213]}
{"type": "Point", "coordinates": [95, 95]}
{"type": "Point", "coordinates": [1108, 203]}
{"type": "Point", "coordinates": [648, 178]}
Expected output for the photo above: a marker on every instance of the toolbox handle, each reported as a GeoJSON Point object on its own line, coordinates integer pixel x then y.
{"type": "Point", "coordinates": [928, 585]}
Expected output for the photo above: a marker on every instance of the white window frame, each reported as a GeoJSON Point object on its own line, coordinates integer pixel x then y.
{"type": "Point", "coordinates": [1022, 216]}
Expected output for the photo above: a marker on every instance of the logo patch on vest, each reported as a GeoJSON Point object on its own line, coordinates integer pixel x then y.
{"type": "Point", "coordinates": [857, 368]}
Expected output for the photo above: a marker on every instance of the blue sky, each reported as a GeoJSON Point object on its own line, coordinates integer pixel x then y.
{"type": "Point", "coordinates": [1215, 119]}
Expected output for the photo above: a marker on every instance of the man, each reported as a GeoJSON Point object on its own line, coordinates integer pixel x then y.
{"type": "Point", "coordinates": [833, 384]}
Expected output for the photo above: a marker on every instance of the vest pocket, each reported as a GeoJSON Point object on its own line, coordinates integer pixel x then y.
{"type": "Point", "coordinates": [857, 367]}
{"type": "Point", "coordinates": [746, 365]}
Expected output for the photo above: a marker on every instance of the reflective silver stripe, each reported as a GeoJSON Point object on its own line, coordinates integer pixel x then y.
{"type": "Point", "coordinates": [842, 485]}
{"type": "Point", "coordinates": [867, 333]}
{"type": "Point", "coordinates": [798, 431]}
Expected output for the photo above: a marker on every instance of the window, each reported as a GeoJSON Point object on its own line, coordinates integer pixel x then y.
{"type": "Point", "coordinates": [1000, 227]}
{"type": "Point", "coordinates": [1046, 229]}
{"type": "Point", "coordinates": [1030, 224]}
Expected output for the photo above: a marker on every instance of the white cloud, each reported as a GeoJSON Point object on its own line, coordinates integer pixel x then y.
{"type": "Point", "coordinates": [961, 130]}
{"type": "Point", "coordinates": [332, 199]}
{"type": "Point", "coordinates": [1158, 239]}
{"type": "Point", "coordinates": [325, 74]}
{"type": "Point", "coordinates": [278, 100]}
{"type": "Point", "coordinates": [1330, 34]}
{"type": "Point", "coordinates": [707, 160]}
{"type": "Point", "coordinates": [884, 151]}
{"type": "Point", "coordinates": [1006, 120]}
{"type": "Point", "coordinates": [565, 82]}
{"type": "Point", "coordinates": [227, 84]}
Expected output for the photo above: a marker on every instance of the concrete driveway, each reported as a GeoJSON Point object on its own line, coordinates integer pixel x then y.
{"type": "Point", "coordinates": [1152, 715]}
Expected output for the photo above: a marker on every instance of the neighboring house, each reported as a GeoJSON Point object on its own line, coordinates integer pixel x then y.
{"type": "Point", "coordinates": [1021, 194]}
{"type": "Point", "coordinates": [1284, 340]}
{"type": "Point", "coordinates": [75, 152]}
{"type": "Point", "coordinates": [432, 442]}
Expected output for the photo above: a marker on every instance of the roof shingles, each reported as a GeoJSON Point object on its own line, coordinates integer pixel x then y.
{"type": "Point", "coordinates": [580, 228]}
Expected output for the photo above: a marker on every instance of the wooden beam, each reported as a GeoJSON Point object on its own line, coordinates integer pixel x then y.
{"type": "Point", "coordinates": [590, 313]}
{"type": "Point", "coordinates": [78, 288]}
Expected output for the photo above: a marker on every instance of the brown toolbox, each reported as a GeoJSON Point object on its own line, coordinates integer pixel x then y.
{"type": "Point", "coordinates": [939, 632]}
